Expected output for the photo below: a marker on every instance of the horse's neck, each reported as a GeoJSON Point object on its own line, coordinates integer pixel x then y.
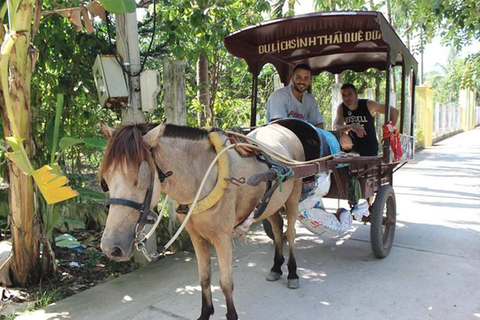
{"type": "Point", "coordinates": [188, 160]}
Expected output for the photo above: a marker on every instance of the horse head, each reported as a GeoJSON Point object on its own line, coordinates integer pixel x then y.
{"type": "Point", "coordinates": [128, 173]}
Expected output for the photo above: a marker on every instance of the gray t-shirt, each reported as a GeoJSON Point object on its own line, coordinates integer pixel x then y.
{"type": "Point", "coordinates": [283, 104]}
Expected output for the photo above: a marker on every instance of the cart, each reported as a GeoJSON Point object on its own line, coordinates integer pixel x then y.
{"type": "Point", "coordinates": [334, 42]}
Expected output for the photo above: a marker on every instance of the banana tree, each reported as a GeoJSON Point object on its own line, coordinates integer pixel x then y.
{"type": "Point", "coordinates": [20, 19]}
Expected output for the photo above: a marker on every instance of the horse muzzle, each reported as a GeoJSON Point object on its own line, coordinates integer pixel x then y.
{"type": "Point", "coordinates": [117, 249]}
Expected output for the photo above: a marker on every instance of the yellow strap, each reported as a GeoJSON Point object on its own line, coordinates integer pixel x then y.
{"type": "Point", "coordinates": [222, 178]}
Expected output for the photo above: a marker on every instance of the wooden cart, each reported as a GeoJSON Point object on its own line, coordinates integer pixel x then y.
{"type": "Point", "coordinates": [334, 42]}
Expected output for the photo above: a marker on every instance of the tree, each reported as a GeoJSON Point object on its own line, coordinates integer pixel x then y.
{"type": "Point", "coordinates": [278, 6]}
{"type": "Point", "coordinates": [17, 60]}
{"type": "Point", "coordinates": [18, 56]}
{"type": "Point", "coordinates": [194, 31]}
{"type": "Point", "coordinates": [459, 25]}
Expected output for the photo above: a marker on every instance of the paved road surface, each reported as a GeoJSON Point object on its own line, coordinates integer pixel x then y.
{"type": "Point", "coordinates": [432, 272]}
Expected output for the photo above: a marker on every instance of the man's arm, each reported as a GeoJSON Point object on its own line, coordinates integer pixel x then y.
{"type": "Point", "coordinates": [276, 106]}
{"type": "Point", "coordinates": [380, 108]}
{"type": "Point", "coordinates": [339, 124]}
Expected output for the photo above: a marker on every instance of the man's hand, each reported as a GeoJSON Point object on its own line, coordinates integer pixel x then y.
{"type": "Point", "coordinates": [320, 125]}
{"type": "Point", "coordinates": [358, 129]}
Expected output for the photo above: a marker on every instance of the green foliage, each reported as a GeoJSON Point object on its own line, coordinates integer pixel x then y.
{"type": "Point", "coordinates": [191, 28]}
{"type": "Point", "coordinates": [56, 127]}
{"type": "Point", "coordinates": [277, 9]}
{"type": "Point", "coordinates": [45, 297]}
{"type": "Point", "coordinates": [94, 258]}
{"type": "Point", "coordinates": [460, 23]}
{"type": "Point", "coordinates": [450, 79]}
{"type": "Point", "coordinates": [119, 6]}
{"type": "Point", "coordinates": [89, 194]}
{"type": "Point", "coordinates": [322, 90]}
{"type": "Point", "coordinates": [64, 67]}
{"type": "Point", "coordinates": [323, 5]}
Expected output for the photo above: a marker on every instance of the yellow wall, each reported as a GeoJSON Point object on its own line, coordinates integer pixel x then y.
{"type": "Point", "coordinates": [467, 105]}
{"type": "Point", "coordinates": [424, 107]}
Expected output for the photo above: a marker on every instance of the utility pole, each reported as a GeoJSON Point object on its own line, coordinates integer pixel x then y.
{"type": "Point", "coordinates": [129, 50]}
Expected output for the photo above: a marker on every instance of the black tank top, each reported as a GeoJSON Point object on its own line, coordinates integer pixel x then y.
{"type": "Point", "coordinates": [368, 145]}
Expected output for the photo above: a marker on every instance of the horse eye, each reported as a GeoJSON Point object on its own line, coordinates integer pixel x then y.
{"type": "Point", "coordinates": [104, 185]}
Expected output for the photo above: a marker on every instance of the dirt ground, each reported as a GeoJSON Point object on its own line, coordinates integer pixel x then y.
{"type": "Point", "coordinates": [78, 269]}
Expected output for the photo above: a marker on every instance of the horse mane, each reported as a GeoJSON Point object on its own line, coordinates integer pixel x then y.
{"type": "Point", "coordinates": [127, 146]}
{"type": "Point", "coordinates": [182, 132]}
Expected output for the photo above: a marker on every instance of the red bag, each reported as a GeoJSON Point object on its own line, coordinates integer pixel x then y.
{"type": "Point", "coordinates": [390, 131]}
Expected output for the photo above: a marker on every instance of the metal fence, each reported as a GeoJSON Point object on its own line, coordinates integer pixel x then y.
{"type": "Point", "coordinates": [446, 121]}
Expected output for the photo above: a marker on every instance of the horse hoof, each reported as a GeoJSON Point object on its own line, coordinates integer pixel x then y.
{"type": "Point", "coordinates": [293, 283]}
{"type": "Point", "coordinates": [273, 276]}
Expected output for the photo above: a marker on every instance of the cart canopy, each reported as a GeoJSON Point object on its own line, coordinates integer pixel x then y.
{"type": "Point", "coordinates": [327, 41]}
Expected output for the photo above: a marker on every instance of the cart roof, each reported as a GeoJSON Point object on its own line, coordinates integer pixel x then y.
{"type": "Point", "coordinates": [327, 41]}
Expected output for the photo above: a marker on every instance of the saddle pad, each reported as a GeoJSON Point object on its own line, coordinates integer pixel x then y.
{"type": "Point", "coordinates": [244, 152]}
{"type": "Point", "coordinates": [314, 145]}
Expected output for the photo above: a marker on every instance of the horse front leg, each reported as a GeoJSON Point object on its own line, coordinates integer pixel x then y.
{"type": "Point", "coordinates": [276, 221]}
{"type": "Point", "coordinates": [223, 246]}
{"type": "Point", "coordinates": [202, 252]}
{"type": "Point", "coordinates": [292, 208]}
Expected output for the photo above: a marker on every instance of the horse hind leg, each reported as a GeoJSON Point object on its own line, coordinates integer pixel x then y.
{"type": "Point", "coordinates": [276, 221]}
{"type": "Point", "coordinates": [202, 252]}
{"type": "Point", "coordinates": [292, 207]}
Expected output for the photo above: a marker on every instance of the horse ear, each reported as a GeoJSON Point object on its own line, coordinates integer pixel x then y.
{"type": "Point", "coordinates": [144, 175]}
{"type": "Point", "coordinates": [106, 130]}
{"type": "Point", "coordinates": [151, 137]}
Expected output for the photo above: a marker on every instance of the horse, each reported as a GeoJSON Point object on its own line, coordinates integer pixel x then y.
{"type": "Point", "coordinates": [134, 169]}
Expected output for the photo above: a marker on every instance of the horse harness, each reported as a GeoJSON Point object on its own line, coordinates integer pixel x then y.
{"type": "Point", "coordinates": [282, 171]}
{"type": "Point", "coordinates": [203, 205]}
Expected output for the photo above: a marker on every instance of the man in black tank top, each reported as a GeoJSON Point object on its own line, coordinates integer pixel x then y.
{"type": "Point", "coordinates": [355, 118]}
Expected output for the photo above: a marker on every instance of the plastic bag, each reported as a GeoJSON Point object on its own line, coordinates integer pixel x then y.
{"type": "Point", "coordinates": [316, 219]}
{"type": "Point", "coordinates": [360, 210]}
{"type": "Point", "coordinates": [323, 183]}
{"type": "Point", "coordinates": [318, 187]}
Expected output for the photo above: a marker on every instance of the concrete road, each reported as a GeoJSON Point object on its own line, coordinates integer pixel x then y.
{"type": "Point", "coordinates": [432, 272]}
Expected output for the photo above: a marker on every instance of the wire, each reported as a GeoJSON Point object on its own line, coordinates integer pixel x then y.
{"type": "Point", "coordinates": [120, 60]}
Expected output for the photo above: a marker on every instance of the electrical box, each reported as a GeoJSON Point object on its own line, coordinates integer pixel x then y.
{"type": "Point", "coordinates": [110, 81]}
{"type": "Point", "coordinates": [149, 89]}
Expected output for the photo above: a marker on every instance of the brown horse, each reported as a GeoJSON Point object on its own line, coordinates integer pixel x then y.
{"type": "Point", "coordinates": [141, 161]}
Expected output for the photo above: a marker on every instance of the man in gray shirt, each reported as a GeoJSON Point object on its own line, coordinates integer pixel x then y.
{"type": "Point", "coordinates": [294, 101]}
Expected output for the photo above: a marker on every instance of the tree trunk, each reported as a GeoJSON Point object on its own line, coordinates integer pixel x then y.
{"type": "Point", "coordinates": [203, 96]}
{"type": "Point", "coordinates": [174, 92]}
{"type": "Point", "coordinates": [24, 224]}
{"type": "Point", "coordinates": [176, 113]}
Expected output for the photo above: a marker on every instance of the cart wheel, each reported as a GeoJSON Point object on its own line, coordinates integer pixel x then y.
{"type": "Point", "coordinates": [383, 218]}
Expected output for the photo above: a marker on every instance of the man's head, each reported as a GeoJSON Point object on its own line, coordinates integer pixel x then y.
{"type": "Point", "coordinates": [302, 77]}
{"type": "Point", "coordinates": [349, 94]}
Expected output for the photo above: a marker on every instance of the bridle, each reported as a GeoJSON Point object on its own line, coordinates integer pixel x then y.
{"type": "Point", "coordinates": [206, 203]}
{"type": "Point", "coordinates": [144, 208]}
